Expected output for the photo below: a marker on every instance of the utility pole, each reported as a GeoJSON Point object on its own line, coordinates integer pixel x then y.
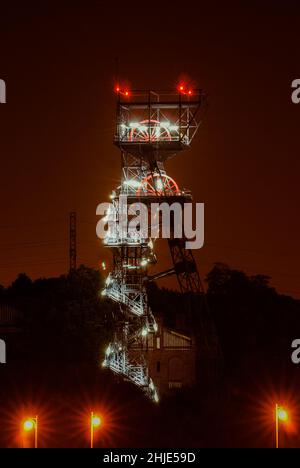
{"type": "Point", "coordinates": [72, 240]}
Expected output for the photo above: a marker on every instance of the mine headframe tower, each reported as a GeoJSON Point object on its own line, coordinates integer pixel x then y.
{"type": "Point", "coordinates": [151, 127]}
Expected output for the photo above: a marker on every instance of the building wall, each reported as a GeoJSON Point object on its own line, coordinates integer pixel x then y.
{"type": "Point", "coordinates": [171, 359]}
{"type": "Point", "coordinates": [9, 315]}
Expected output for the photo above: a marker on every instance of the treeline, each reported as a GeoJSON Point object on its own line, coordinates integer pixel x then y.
{"type": "Point", "coordinates": [62, 319]}
{"type": "Point", "coordinates": [255, 324]}
{"type": "Point", "coordinates": [67, 319]}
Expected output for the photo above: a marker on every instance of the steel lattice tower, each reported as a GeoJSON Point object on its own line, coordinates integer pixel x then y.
{"type": "Point", "coordinates": [72, 252]}
{"type": "Point", "coordinates": [151, 127]}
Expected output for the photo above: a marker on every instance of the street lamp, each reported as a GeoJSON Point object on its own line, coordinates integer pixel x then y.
{"type": "Point", "coordinates": [95, 422]}
{"type": "Point", "coordinates": [281, 415]}
{"type": "Point", "coordinates": [30, 424]}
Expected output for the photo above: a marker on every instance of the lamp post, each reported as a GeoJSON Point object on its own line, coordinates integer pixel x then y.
{"type": "Point", "coordinates": [95, 422]}
{"type": "Point", "coordinates": [281, 415]}
{"type": "Point", "coordinates": [29, 425]}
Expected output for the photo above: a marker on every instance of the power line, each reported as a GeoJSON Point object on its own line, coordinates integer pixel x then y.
{"type": "Point", "coordinates": [31, 244]}
{"type": "Point", "coordinates": [31, 263]}
{"type": "Point", "coordinates": [39, 223]}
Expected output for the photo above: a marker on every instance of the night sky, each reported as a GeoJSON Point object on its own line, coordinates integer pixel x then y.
{"type": "Point", "coordinates": [56, 130]}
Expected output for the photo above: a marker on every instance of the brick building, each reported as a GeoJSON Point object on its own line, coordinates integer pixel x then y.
{"type": "Point", "coordinates": [171, 358]}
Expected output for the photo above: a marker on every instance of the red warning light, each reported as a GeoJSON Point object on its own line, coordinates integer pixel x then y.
{"type": "Point", "coordinates": [185, 89]}
{"type": "Point", "coordinates": [122, 91]}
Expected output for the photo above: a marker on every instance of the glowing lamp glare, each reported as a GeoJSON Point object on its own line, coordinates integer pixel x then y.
{"type": "Point", "coordinates": [28, 425]}
{"type": "Point", "coordinates": [96, 421]}
{"type": "Point", "coordinates": [282, 414]}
